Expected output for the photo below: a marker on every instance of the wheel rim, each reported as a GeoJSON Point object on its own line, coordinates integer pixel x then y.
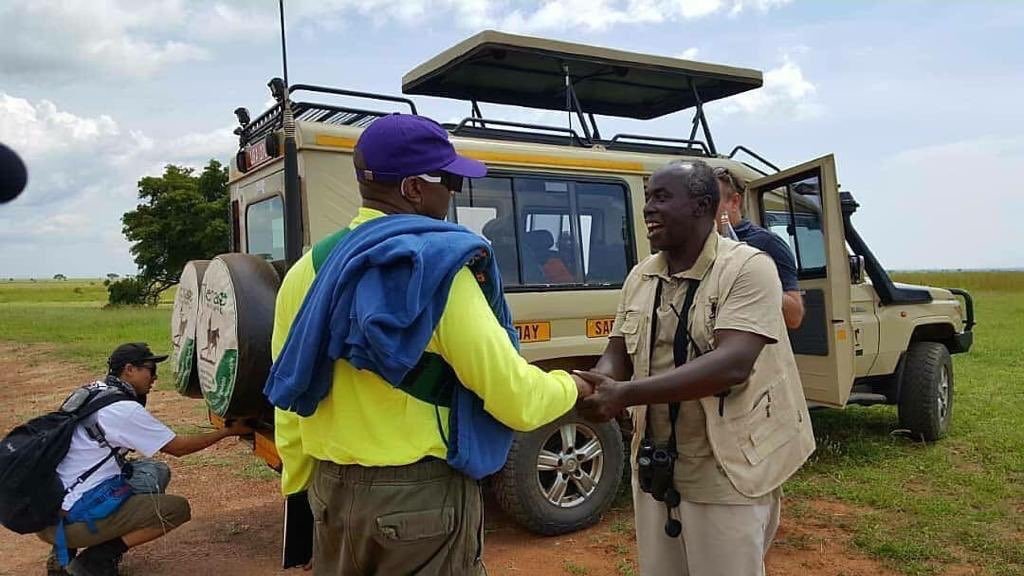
{"type": "Point", "coordinates": [570, 465]}
{"type": "Point", "coordinates": [943, 395]}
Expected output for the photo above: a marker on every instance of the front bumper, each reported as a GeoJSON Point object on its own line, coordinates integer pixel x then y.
{"type": "Point", "coordinates": [962, 342]}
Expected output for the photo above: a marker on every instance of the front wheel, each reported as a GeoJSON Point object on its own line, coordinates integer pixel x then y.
{"type": "Point", "coordinates": [563, 476]}
{"type": "Point", "coordinates": [926, 391]}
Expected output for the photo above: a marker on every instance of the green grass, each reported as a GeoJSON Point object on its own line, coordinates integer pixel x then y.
{"type": "Point", "coordinates": [256, 469]}
{"type": "Point", "coordinates": [919, 508]}
{"type": "Point", "coordinates": [959, 501]}
{"type": "Point", "coordinates": [80, 290]}
{"type": "Point", "coordinates": [625, 567]}
{"type": "Point", "coordinates": [53, 291]}
{"type": "Point", "coordinates": [994, 281]}
{"type": "Point", "coordinates": [85, 334]}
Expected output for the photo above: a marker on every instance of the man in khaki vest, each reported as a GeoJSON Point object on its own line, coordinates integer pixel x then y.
{"type": "Point", "coordinates": [727, 378]}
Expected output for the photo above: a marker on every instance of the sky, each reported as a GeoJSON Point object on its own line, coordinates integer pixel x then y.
{"type": "Point", "coordinates": [922, 103]}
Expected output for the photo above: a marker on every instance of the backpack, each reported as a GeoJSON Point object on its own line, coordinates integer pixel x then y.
{"type": "Point", "coordinates": [31, 491]}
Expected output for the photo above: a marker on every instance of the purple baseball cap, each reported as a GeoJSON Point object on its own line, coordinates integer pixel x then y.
{"type": "Point", "coordinates": [400, 145]}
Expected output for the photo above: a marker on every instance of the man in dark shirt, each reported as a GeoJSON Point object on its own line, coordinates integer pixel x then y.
{"type": "Point", "coordinates": [731, 191]}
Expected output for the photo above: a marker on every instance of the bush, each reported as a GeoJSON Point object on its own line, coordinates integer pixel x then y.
{"type": "Point", "coordinates": [129, 291]}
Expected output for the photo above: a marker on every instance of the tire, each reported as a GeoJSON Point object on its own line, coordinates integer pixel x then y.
{"type": "Point", "coordinates": [926, 391]}
{"type": "Point", "coordinates": [184, 318]}
{"type": "Point", "coordinates": [235, 324]}
{"type": "Point", "coordinates": [588, 475]}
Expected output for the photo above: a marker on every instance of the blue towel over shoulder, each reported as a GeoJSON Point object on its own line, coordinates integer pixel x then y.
{"type": "Point", "coordinates": [375, 303]}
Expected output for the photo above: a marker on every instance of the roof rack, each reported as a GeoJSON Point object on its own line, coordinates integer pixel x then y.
{"type": "Point", "coordinates": [621, 142]}
{"type": "Point", "coordinates": [755, 156]}
{"type": "Point", "coordinates": [271, 120]}
{"type": "Point", "coordinates": [477, 126]}
{"type": "Point", "coordinates": [533, 72]}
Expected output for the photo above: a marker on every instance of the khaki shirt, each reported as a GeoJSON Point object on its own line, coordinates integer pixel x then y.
{"type": "Point", "coordinates": [736, 450]}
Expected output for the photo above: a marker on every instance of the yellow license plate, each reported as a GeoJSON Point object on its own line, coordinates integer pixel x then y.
{"type": "Point", "coordinates": [599, 327]}
{"type": "Point", "coordinates": [533, 331]}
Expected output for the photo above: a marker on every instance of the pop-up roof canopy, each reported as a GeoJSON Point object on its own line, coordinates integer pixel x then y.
{"type": "Point", "coordinates": [525, 71]}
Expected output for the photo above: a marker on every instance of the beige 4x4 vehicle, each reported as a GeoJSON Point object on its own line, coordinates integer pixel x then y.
{"type": "Point", "coordinates": [562, 208]}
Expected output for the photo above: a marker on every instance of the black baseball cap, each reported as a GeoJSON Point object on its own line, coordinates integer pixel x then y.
{"type": "Point", "coordinates": [134, 353]}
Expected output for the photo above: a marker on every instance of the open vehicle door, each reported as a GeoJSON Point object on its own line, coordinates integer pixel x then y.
{"type": "Point", "coordinates": [801, 205]}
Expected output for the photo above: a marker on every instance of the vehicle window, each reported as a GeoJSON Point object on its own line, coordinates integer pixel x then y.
{"type": "Point", "coordinates": [264, 228]}
{"type": "Point", "coordinates": [485, 206]}
{"type": "Point", "coordinates": [550, 231]}
{"type": "Point", "coordinates": [793, 212]}
{"type": "Point", "coordinates": [604, 226]}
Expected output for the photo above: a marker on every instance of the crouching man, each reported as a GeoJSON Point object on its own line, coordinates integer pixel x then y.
{"type": "Point", "coordinates": [113, 504]}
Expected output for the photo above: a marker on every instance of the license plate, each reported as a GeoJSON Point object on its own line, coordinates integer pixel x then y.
{"type": "Point", "coordinates": [256, 154]}
{"type": "Point", "coordinates": [599, 327]}
{"type": "Point", "coordinates": [533, 331]}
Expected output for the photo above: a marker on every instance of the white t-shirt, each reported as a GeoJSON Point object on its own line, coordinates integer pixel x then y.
{"type": "Point", "coordinates": [127, 425]}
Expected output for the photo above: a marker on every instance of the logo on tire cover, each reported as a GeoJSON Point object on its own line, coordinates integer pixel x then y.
{"type": "Point", "coordinates": [185, 357]}
{"type": "Point", "coordinates": [217, 338]}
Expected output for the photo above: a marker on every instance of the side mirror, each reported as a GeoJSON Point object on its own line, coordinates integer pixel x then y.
{"type": "Point", "coordinates": [856, 269]}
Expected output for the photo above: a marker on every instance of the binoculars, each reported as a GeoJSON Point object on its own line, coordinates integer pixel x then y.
{"type": "Point", "coordinates": [654, 469]}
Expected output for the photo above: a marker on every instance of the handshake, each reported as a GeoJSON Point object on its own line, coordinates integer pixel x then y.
{"type": "Point", "coordinates": [599, 397]}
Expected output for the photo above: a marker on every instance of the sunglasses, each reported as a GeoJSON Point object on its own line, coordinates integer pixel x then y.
{"type": "Point", "coordinates": [148, 366]}
{"type": "Point", "coordinates": [453, 182]}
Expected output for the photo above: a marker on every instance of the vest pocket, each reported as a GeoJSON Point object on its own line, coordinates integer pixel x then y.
{"type": "Point", "coordinates": [767, 436]}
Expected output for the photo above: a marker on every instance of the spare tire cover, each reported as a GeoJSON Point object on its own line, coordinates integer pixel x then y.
{"type": "Point", "coordinates": [184, 318]}
{"type": "Point", "coordinates": [236, 320]}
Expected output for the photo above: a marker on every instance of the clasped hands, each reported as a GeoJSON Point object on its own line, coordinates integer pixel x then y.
{"type": "Point", "coordinates": [599, 397]}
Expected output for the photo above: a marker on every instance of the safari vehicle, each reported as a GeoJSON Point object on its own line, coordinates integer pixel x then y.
{"type": "Point", "coordinates": [562, 207]}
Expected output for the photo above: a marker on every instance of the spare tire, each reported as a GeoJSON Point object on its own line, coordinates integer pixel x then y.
{"type": "Point", "coordinates": [236, 320]}
{"type": "Point", "coordinates": [184, 318]}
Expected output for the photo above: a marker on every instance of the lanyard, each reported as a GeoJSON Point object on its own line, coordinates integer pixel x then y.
{"type": "Point", "coordinates": [680, 344]}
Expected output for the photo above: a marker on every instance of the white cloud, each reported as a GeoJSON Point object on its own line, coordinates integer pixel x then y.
{"type": "Point", "coordinates": [53, 40]}
{"type": "Point", "coordinates": [223, 22]}
{"type": "Point", "coordinates": [47, 38]}
{"type": "Point", "coordinates": [39, 129]}
{"type": "Point", "coordinates": [82, 177]}
{"type": "Point", "coordinates": [690, 53]}
{"type": "Point", "coordinates": [511, 15]}
{"type": "Point", "coordinates": [785, 92]}
{"type": "Point", "coordinates": [600, 15]}
{"type": "Point", "coordinates": [739, 6]}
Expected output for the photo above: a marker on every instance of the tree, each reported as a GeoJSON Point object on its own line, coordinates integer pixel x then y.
{"type": "Point", "coordinates": [59, 277]}
{"type": "Point", "coordinates": [181, 217]}
{"type": "Point", "coordinates": [128, 291]}
{"type": "Point", "coordinates": [112, 276]}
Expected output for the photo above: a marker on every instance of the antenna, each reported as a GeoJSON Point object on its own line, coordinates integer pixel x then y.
{"type": "Point", "coordinates": [284, 45]}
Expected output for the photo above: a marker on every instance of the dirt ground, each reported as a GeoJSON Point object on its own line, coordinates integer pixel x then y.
{"type": "Point", "coordinates": [236, 508]}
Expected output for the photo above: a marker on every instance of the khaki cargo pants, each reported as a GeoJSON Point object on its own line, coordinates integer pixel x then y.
{"type": "Point", "coordinates": [717, 539]}
{"type": "Point", "coordinates": [423, 518]}
{"type": "Point", "coordinates": [148, 508]}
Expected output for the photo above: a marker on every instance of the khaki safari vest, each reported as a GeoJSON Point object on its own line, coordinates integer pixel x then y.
{"type": "Point", "coordinates": [760, 433]}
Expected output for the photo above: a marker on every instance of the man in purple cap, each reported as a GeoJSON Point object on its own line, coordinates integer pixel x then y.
{"type": "Point", "coordinates": [397, 380]}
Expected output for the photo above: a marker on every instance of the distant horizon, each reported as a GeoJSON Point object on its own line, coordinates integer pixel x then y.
{"type": "Point", "coordinates": [16, 277]}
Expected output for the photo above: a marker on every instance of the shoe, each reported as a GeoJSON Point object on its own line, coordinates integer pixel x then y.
{"type": "Point", "coordinates": [99, 560]}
